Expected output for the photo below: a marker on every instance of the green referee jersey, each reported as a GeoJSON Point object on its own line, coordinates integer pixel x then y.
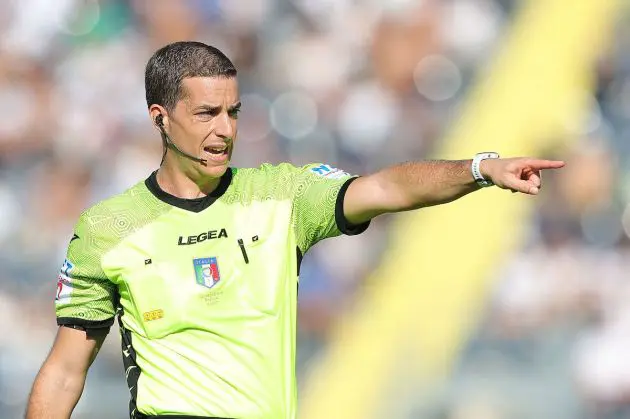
{"type": "Point", "coordinates": [205, 289]}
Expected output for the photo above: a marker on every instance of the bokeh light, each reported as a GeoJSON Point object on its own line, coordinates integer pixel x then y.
{"type": "Point", "coordinates": [437, 78]}
{"type": "Point", "coordinates": [293, 115]}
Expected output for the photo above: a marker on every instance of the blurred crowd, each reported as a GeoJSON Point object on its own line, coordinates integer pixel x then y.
{"type": "Point", "coordinates": [554, 340]}
{"type": "Point", "coordinates": [356, 84]}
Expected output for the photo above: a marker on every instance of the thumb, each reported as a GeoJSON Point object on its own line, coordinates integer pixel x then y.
{"type": "Point", "coordinates": [523, 186]}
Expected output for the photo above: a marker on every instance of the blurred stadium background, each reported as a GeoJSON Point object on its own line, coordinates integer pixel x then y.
{"type": "Point", "coordinates": [493, 307]}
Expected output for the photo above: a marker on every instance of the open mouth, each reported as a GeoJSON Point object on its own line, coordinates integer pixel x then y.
{"type": "Point", "coordinates": [216, 150]}
{"type": "Point", "coordinates": [217, 153]}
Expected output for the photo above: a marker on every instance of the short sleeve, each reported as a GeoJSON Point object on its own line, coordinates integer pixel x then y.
{"type": "Point", "coordinates": [318, 204]}
{"type": "Point", "coordinates": [85, 296]}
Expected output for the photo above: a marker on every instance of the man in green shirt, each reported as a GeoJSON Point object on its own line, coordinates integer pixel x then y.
{"type": "Point", "coordinates": [200, 262]}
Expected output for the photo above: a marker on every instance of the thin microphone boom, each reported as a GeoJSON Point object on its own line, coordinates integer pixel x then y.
{"type": "Point", "coordinates": [170, 143]}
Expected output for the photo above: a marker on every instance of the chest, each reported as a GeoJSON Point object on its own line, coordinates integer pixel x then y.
{"type": "Point", "coordinates": [190, 270]}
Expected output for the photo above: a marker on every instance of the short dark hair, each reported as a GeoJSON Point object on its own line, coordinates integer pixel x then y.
{"type": "Point", "coordinates": [171, 64]}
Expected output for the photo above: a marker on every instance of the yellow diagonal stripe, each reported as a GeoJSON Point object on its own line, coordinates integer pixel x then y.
{"type": "Point", "coordinates": [435, 274]}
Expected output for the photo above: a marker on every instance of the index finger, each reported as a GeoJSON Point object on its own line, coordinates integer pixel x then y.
{"type": "Point", "coordinates": [538, 164]}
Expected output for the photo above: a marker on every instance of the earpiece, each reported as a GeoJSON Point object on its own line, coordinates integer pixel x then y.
{"type": "Point", "coordinates": [159, 121]}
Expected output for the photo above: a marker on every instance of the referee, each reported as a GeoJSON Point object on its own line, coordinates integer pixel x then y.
{"type": "Point", "coordinates": [199, 262]}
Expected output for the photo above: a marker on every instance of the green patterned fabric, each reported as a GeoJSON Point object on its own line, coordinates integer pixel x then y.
{"type": "Point", "coordinates": [313, 196]}
{"type": "Point", "coordinates": [207, 296]}
{"type": "Point", "coordinates": [83, 291]}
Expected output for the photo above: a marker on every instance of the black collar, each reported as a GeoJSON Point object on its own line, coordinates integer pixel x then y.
{"type": "Point", "coordinates": [195, 204]}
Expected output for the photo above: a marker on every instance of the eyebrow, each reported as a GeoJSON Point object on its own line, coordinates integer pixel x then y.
{"type": "Point", "coordinates": [236, 106]}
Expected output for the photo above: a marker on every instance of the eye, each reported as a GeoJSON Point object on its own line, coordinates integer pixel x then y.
{"type": "Point", "coordinates": [234, 113]}
{"type": "Point", "coordinates": [207, 113]}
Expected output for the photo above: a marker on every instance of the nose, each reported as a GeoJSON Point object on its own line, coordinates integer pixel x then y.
{"type": "Point", "coordinates": [224, 127]}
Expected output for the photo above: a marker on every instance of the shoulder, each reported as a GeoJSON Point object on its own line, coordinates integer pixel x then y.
{"type": "Point", "coordinates": [287, 172]}
{"type": "Point", "coordinates": [265, 171]}
{"type": "Point", "coordinates": [266, 174]}
{"type": "Point", "coordinates": [263, 183]}
{"type": "Point", "coordinates": [116, 216]}
{"type": "Point", "coordinates": [271, 179]}
{"type": "Point", "coordinates": [266, 182]}
{"type": "Point", "coordinates": [283, 181]}
{"type": "Point", "coordinates": [104, 225]}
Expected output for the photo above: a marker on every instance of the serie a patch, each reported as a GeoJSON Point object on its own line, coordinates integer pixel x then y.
{"type": "Point", "coordinates": [64, 283]}
{"type": "Point", "coordinates": [327, 171]}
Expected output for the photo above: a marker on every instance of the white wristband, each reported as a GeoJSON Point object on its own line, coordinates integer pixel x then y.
{"type": "Point", "coordinates": [476, 172]}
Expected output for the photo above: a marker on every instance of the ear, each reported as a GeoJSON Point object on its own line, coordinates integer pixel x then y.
{"type": "Point", "coordinates": [154, 112]}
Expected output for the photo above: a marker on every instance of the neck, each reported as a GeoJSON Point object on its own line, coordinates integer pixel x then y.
{"type": "Point", "coordinates": [186, 184]}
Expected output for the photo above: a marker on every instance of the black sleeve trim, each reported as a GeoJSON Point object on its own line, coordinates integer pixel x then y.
{"type": "Point", "coordinates": [85, 324]}
{"type": "Point", "coordinates": [300, 256]}
{"type": "Point", "coordinates": [342, 223]}
{"type": "Point", "coordinates": [73, 326]}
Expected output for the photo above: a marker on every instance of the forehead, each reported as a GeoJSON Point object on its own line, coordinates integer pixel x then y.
{"type": "Point", "coordinates": [210, 90]}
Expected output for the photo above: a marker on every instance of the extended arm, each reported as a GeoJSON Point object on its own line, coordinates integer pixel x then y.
{"type": "Point", "coordinates": [59, 383]}
{"type": "Point", "coordinates": [414, 185]}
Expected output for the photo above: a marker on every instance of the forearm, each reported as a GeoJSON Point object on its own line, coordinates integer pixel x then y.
{"type": "Point", "coordinates": [55, 393]}
{"type": "Point", "coordinates": [415, 185]}
{"type": "Point", "coordinates": [408, 186]}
